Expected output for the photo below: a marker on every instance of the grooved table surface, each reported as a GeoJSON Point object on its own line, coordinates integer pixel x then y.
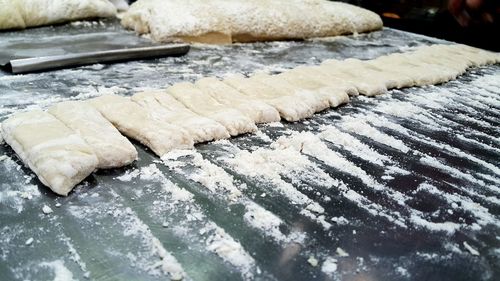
{"type": "Point", "coordinates": [403, 186]}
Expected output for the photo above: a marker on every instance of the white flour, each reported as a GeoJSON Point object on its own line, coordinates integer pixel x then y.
{"type": "Point", "coordinates": [61, 272]}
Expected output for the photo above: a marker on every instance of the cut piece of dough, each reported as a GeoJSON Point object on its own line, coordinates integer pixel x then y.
{"type": "Point", "coordinates": [193, 98]}
{"type": "Point", "coordinates": [257, 110]}
{"type": "Point", "coordinates": [223, 21]}
{"type": "Point", "coordinates": [420, 72]}
{"type": "Point", "coordinates": [135, 122]}
{"type": "Point", "coordinates": [367, 85]}
{"type": "Point", "coordinates": [111, 148]}
{"type": "Point", "coordinates": [369, 71]}
{"type": "Point", "coordinates": [475, 56]}
{"type": "Point", "coordinates": [315, 100]}
{"type": "Point", "coordinates": [315, 73]}
{"type": "Point", "coordinates": [166, 108]}
{"type": "Point", "coordinates": [20, 14]}
{"type": "Point", "coordinates": [335, 95]}
{"type": "Point", "coordinates": [58, 156]}
{"type": "Point", "coordinates": [291, 108]}
{"type": "Point", "coordinates": [435, 57]}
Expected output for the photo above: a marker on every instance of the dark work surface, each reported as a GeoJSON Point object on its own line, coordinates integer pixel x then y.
{"type": "Point", "coordinates": [433, 202]}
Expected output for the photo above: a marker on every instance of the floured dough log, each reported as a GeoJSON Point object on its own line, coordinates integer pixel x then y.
{"type": "Point", "coordinates": [58, 156]}
{"type": "Point", "coordinates": [193, 98]}
{"type": "Point", "coordinates": [335, 95]}
{"type": "Point", "coordinates": [315, 73]}
{"type": "Point", "coordinates": [316, 101]}
{"type": "Point", "coordinates": [257, 110]}
{"type": "Point", "coordinates": [290, 108]}
{"type": "Point", "coordinates": [367, 85]}
{"type": "Point", "coordinates": [19, 14]}
{"type": "Point", "coordinates": [135, 122]}
{"type": "Point", "coordinates": [166, 108]}
{"type": "Point", "coordinates": [111, 148]}
{"type": "Point", "coordinates": [222, 21]}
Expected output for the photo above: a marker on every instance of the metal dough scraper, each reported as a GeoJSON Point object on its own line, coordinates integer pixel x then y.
{"type": "Point", "coordinates": [26, 54]}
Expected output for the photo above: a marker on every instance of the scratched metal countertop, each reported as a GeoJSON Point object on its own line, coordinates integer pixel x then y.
{"type": "Point", "coordinates": [440, 147]}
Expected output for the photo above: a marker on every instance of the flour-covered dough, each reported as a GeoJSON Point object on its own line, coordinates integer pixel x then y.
{"type": "Point", "coordinates": [258, 110]}
{"type": "Point", "coordinates": [166, 108]}
{"type": "Point", "coordinates": [360, 78]}
{"type": "Point", "coordinates": [222, 21]}
{"type": "Point", "coordinates": [58, 156]}
{"type": "Point", "coordinates": [315, 73]}
{"type": "Point", "coordinates": [19, 14]}
{"type": "Point", "coordinates": [315, 100]}
{"type": "Point", "coordinates": [135, 122]}
{"type": "Point", "coordinates": [193, 98]}
{"type": "Point", "coordinates": [290, 108]}
{"type": "Point", "coordinates": [111, 148]}
{"type": "Point", "coordinates": [335, 95]}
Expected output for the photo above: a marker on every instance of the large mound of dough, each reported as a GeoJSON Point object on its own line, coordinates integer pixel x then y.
{"type": "Point", "coordinates": [223, 21]}
{"type": "Point", "coordinates": [19, 14]}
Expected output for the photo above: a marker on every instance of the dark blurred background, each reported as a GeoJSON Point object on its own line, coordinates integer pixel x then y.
{"type": "Point", "coordinates": [472, 22]}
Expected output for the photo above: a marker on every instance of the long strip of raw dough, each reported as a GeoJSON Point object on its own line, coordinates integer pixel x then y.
{"type": "Point", "coordinates": [58, 156]}
{"type": "Point", "coordinates": [26, 13]}
{"type": "Point", "coordinates": [167, 109]}
{"type": "Point", "coordinates": [258, 110]}
{"type": "Point", "coordinates": [193, 98]}
{"type": "Point", "coordinates": [335, 95]}
{"type": "Point", "coordinates": [135, 122]}
{"type": "Point", "coordinates": [290, 108]}
{"type": "Point", "coordinates": [223, 21]}
{"type": "Point", "coordinates": [111, 148]}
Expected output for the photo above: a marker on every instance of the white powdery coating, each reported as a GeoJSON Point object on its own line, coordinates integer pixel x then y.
{"type": "Point", "coordinates": [426, 121]}
{"type": "Point", "coordinates": [15, 194]}
{"type": "Point", "coordinates": [478, 143]}
{"type": "Point", "coordinates": [262, 219]}
{"type": "Point", "coordinates": [258, 164]}
{"type": "Point", "coordinates": [129, 175]}
{"type": "Point", "coordinates": [229, 250]}
{"type": "Point", "coordinates": [74, 256]}
{"type": "Point", "coordinates": [152, 173]}
{"type": "Point", "coordinates": [359, 126]}
{"type": "Point", "coordinates": [449, 227]}
{"type": "Point", "coordinates": [329, 266]}
{"type": "Point", "coordinates": [455, 201]}
{"type": "Point", "coordinates": [383, 122]}
{"type": "Point", "coordinates": [403, 272]}
{"type": "Point", "coordinates": [215, 179]}
{"type": "Point", "coordinates": [405, 109]}
{"type": "Point", "coordinates": [136, 227]}
{"type": "Point", "coordinates": [353, 145]}
{"type": "Point", "coordinates": [61, 272]}
{"type": "Point", "coordinates": [453, 171]}
{"type": "Point", "coordinates": [310, 144]}
{"type": "Point", "coordinates": [47, 210]}
{"type": "Point", "coordinates": [399, 109]}
{"type": "Point", "coordinates": [211, 176]}
{"type": "Point", "coordinates": [489, 82]}
{"type": "Point", "coordinates": [470, 249]}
